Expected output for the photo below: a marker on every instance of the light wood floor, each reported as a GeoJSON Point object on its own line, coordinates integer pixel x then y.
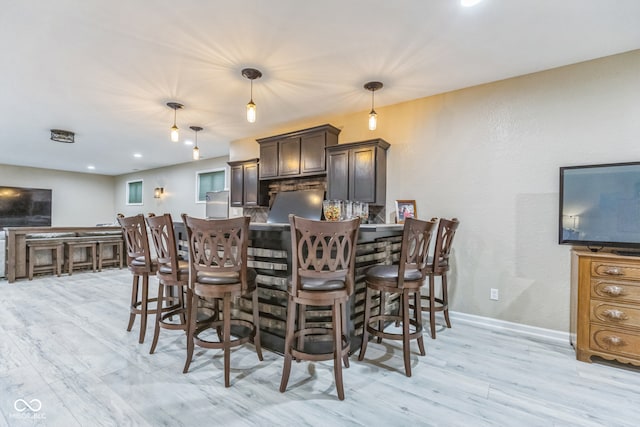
{"type": "Point", "coordinates": [63, 344]}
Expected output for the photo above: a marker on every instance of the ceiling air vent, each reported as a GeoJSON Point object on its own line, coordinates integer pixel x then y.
{"type": "Point", "coordinates": [62, 136]}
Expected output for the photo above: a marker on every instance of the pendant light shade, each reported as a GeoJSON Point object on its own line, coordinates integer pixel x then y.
{"type": "Point", "coordinates": [373, 116]}
{"type": "Point", "coordinates": [175, 135]}
{"type": "Point", "coordinates": [251, 74]}
{"type": "Point", "coordinates": [196, 150]}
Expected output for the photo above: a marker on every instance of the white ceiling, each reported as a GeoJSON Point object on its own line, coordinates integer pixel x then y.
{"type": "Point", "coordinates": [105, 69]}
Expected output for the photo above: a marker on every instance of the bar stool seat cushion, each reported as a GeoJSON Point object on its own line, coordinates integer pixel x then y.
{"type": "Point", "coordinates": [183, 268]}
{"type": "Point", "coordinates": [141, 262]}
{"type": "Point", "coordinates": [225, 278]}
{"type": "Point", "coordinates": [318, 284]}
{"type": "Point", "coordinates": [390, 272]}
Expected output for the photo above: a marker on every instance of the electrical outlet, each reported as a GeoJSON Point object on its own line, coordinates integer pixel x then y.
{"type": "Point", "coordinates": [494, 294]}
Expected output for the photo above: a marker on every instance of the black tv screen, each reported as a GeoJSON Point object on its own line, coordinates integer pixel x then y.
{"type": "Point", "coordinates": [600, 205]}
{"type": "Point", "coordinates": [25, 207]}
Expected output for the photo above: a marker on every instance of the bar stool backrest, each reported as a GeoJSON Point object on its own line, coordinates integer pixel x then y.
{"type": "Point", "coordinates": [164, 242]}
{"type": "Point", "coordinates": [323, 250]}
{"type": "Point", "coordinates": [444, 241]}
{"type": "Point", "coordinates": [135, 235]}
{"type": "Point", "coordinates": [414, 253]}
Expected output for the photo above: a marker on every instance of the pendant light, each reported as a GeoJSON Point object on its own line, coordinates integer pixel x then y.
{"type": "Point", "coordinates": [251, 74]}
{"type": "Point", "coordinates": [373, 116]}
{"type": "Point", "coordinates": [196, 150]}
{"type": "Point", "coordinates": [175, 135]}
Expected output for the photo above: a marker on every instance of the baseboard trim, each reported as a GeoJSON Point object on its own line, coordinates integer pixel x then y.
{"type": "Point", "coordinates": [548, 335]}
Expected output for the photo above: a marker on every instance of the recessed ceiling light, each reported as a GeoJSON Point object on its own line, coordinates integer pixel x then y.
{"type": "Point", "coordinates": [188, 142]}
{"type": "Point", "coordinates": [469, 3]}
{"type": "Point", "coordinates": [137, 155]}
{"type": "Point", "coordinates": [91, 167]}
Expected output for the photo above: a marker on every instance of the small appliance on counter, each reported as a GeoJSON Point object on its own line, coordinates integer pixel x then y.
{"type": "Point", "coordinates": [217, 205]}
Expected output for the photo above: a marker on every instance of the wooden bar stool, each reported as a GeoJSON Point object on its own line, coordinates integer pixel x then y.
{"type": "Point", "coordinates": [323, 257]}
{"type": "Point", "coordinates": [112, 246]}
{"type": "Point", "coordinates": [173, 278]}
{"type": "Point", "coordinates": [439, 266]}
{"type": "Point", "coordinates": [405, 279]}
{"type": "Point", "coordinates": [141, 266]}
{"type": "Point", "coordinates": [55, 251]}
{"type": "Point", "coordinates": [86, 248]}
{"type": "Point", "coordinates": [218, 262]}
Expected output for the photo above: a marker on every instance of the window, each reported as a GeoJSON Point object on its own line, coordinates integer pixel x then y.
{"type": "Point", "coordinates": [212, 180]}
{"type": "Point", "coordinates": [134, 192]}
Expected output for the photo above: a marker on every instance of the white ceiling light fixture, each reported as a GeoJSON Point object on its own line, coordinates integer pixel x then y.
{"type": "Point", "coordinates": [196, 150]}
{"type": "Point", "coordinates": [175, 134]}
{"type": "Point", "coordinates": [373, 116]}
{"type": "Point", "coordinates": [251, 74]}
{"type": "Point", "coordinates": [469, 3]}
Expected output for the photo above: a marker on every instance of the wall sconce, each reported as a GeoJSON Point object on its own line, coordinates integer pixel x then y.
{"type": "Point", "coordinates": [251, 74]}
{"type": "Point", "coordinates": [196, 150]}
{"type": "Point", "coordinates": [175, 135]}
{"type": "Point", "coordinates": [373, 117]}
{"type": "Point", "coordinates": [157, 192]}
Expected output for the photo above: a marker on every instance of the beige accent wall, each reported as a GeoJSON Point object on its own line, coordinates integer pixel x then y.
{"type": "Point", "coordinates": [489, 155]}
{"type": "Point", "coordinates": [78, 199]}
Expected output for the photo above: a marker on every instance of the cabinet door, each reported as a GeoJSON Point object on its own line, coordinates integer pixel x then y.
{"type": "Point", "coordinates": [289, 151]}
{"type": "Point", "coordinates": [338, 175]}
{"type": "Point", "coordinates": [269, 159]}
{"type": "Point", "coordinates": [237, 186]}
{"type": "Point", "coordinates": [312, 153]}
{"type": "Point", "coordinates": [251, 184]}
{"type": "Point", "coordinates": [362, 182]}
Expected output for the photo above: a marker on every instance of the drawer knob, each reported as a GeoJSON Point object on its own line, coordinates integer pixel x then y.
{"type": "Point", "coordinates": [614, 271]}
{"type": "Point", "coordinates": [614, 314]}
{"type": "Point", "coordinates": [612, 290]}
{"type": "Point", "coordinates": [614, 341]}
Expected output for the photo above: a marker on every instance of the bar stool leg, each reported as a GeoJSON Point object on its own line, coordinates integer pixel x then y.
{"type": "Point", "coordinates": [337, 348]}
{"type": "Point", "coordinates": [432, 306]}
{"type": "Point", "coordinates": [383, 303]}
{"type": "Point", "coordinates": [256, 323]}
{"type": "Point", "coordinates": [192, 310]}
{"type": "Point", "coordinates": [417, 312]}
{"type": "Point", "coordinates": [288, 342]}
{"type": "Point", "coordinates": [405, 333]}
{"type": "Point", "coordinates": [343, 316]}
{"type": "Point", "coordinates": [144, 307]}
{"type": "Point", "coordinates": [365, 324]}
{"type": "Point", "coordinates": [156, 329]}
{"type": "Point", "coordinates": [445, 299]}
{"type": "Point", "coordinates": [227, 337]}
{"type": "Point", "coordinates": [134, 299]}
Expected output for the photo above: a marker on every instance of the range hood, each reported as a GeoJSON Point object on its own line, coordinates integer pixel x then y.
{"type": "Point", "coordinates": [304, 203]}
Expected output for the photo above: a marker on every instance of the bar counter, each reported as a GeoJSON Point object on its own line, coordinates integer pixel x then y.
{"type": "Point", "coordinates": [269, 249]}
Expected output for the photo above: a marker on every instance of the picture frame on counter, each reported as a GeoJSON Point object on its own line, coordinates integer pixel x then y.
{"type": "Point", "coordinates": [405, 209]}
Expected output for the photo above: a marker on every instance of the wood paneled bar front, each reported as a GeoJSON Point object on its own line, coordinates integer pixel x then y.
{"type": "Point", "coordinates": [269, 255]}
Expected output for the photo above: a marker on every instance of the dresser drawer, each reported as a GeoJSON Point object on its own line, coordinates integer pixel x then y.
{"type": "Point", "coordinates": [615, 269]}
{"type": "Point", "coordinates": [615, 290]}
{"type": "Point", "coordinates": [615, 314]}
{"type": "Point", "coordinates": [610, 340]}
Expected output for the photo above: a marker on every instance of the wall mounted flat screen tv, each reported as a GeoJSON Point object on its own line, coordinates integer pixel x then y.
{"type": "Point", "coordinates": [600, 205]}
{"type": "Point", "coordinates": [25, 207]}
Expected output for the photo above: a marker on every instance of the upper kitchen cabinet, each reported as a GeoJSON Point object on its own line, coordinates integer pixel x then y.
{"type": "Point", "coordinates": [297, 154]}
{"type": "Point", "coordinates": [358, 171]}
{"type": "Point", "coordinates": [245, 186]}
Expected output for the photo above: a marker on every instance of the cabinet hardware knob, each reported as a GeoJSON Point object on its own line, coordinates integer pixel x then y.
{"type": "Point", "coordinates": [612, 290]}
{"type": "Point", "coordinates": [614, 271]}
{"type": "Point", "coordinates": [614, 340]}
{"type": "Point", "coordinates": [614, 314]}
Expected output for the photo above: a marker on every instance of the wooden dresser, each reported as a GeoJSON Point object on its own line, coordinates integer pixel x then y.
{"type": "Point", "coordinates": [605, 306]}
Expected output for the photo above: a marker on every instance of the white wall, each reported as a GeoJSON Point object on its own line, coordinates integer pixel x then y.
{"type": "Point", "coordinates": [78, 199]}
{"type": "Point", "coordinates": [179, 183]}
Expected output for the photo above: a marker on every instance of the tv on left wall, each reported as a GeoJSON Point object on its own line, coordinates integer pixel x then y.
{"type": "Point", "coordinates": [25, 207]}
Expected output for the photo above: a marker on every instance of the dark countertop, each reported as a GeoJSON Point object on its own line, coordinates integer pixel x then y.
{"type": "Point", "coordinates": [263, 226]}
